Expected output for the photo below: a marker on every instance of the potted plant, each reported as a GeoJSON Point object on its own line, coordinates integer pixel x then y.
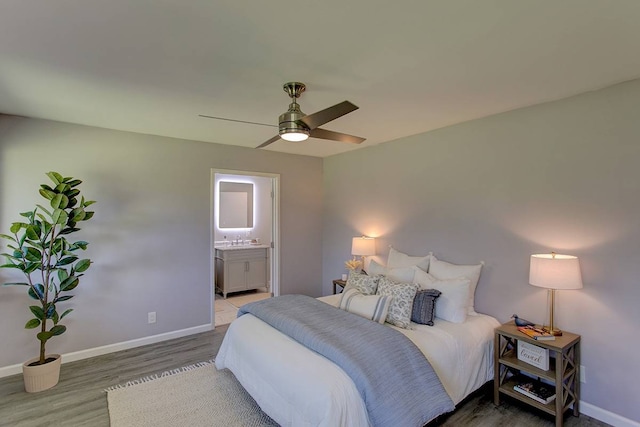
{"type": "Point", "coordinates": [51, 268]}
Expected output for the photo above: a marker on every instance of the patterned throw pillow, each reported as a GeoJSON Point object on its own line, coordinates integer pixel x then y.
{"type": "Point", "coordinates": [401, 303]}
{"type": "Point", "coordinates": [363, 283]}
{"type": "Point", "coordinates": [372, 307]}
{"type": "Point", "coordinates": [424, 306]}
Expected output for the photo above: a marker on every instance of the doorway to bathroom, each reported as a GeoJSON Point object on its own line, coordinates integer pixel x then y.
{"type": "Point", "coordinates": [244, 240]}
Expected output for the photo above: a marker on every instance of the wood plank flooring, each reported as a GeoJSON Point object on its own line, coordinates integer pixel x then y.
{"type": "Point", "coordinates": [79, 399]}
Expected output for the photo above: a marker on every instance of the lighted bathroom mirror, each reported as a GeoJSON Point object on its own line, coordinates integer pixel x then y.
{"type": "Point", "coordinates": [235, 208]}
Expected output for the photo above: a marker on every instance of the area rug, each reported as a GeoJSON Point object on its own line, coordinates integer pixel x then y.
{"type": "Point", "coordinates": [196, 395]}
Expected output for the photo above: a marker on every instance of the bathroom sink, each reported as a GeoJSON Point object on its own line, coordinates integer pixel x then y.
{"type": "Point", "coordinates": [243, 246]}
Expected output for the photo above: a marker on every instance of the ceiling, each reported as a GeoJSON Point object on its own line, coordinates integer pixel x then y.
{"type": "Point", "coordinates": [152, 66]}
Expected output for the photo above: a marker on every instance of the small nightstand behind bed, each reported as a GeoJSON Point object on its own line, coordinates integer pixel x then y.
{"type": "Point", "coordinates": [339, 282]}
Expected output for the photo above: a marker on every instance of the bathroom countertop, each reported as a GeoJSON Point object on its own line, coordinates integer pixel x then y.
{"type": "Point", "coordinates": [240, 247]}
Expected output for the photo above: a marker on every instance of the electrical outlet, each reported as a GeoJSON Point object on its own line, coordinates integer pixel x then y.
{"type": "Point", "coordinates": [151, 317]}
{"type": "Point", "coordinates": [583, 374]}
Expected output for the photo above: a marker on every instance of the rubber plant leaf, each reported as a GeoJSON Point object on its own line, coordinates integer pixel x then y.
{"type": "Point", "coordinates": [58, 329]}
{"type": "Point", "coordinates": [83, 265]}
{"type": "Point", "coordinates": [37, 311]}
{"type": "Point", "coordinates": [44, 336]}
{"type": "Point", "coordinates": [32, 324]}
{"type": "Point", "coordinates": [55, 177]}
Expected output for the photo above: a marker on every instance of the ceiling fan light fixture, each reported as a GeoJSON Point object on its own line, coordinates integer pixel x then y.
{"type": "Point", "coordinates": [295, 135]}
{"type": "Point", "coordinates": [289, 127]}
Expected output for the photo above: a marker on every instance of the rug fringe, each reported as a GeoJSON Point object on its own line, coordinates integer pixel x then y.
{"type": "Point", "coordinates": [162, 375]}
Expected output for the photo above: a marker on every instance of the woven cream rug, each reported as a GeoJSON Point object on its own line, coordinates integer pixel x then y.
{"type": "Point", "coordinates": [196, 395]}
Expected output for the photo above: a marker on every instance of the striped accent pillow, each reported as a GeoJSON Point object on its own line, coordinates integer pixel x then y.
{"type": "Point", "coordinates": [372, 307]}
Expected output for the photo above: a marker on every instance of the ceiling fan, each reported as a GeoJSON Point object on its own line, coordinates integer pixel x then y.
{"type": "Point", "coordinates": [294, 125]}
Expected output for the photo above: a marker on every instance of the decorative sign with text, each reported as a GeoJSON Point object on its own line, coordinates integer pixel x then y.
{"type": "Point", "coordinates": [533, 355]}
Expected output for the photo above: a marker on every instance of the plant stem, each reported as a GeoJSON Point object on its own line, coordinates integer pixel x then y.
{"type": "Point", "coordinates": [46, 255]}
{"type": "Point", "coordinates": [42, 299]}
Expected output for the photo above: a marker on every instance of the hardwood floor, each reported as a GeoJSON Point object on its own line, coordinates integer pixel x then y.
{"type": "Point", "coordinates": [79, 399]}
{"type": "Point", "coordinates": [478, 410]}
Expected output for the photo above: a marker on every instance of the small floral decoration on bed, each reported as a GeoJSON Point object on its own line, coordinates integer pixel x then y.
{"type": "Point", "coordinates": [352, 264]}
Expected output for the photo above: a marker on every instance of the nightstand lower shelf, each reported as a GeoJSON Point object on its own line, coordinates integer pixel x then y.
{"type": "Point", "coordinates": [507, 388]}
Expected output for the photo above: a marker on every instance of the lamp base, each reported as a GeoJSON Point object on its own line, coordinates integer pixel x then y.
{"type": "Point", "coordinates": [555, 332]}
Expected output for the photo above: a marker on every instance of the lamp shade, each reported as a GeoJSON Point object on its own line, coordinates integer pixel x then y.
{"type": "Point", "coordinates": [555, 271]}
{"type": "Point", "coordinates": [363, 246]}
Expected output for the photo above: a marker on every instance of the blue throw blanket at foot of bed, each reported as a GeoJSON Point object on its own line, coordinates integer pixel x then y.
{"type": "Point", "coordinates": [397, 383]}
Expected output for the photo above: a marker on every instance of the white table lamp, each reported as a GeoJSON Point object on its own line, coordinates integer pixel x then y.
{"type": "Point", "coordinates": [363, 246]}
{"type": "Point", "coordinates": [554, 271]}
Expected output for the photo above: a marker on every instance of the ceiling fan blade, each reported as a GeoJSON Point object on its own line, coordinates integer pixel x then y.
{"type": "Point", "coordinates": [238, 121]}
{"type": "Point", "coordinates": [335, 136]}
{"type": "Point", "coordinates": [323, 116]}
{"type": "Point", "coordinates": [269, 141]}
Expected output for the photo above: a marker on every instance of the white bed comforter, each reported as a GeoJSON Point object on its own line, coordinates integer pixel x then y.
{"type": "Point", "coordinates": [297, 387]}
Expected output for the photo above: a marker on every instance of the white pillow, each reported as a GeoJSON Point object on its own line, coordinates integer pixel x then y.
{"type": "Point", "coordinates": [374, 268]}
{"type": "Point", "coordinates": [397, 274]}
{"type": "Point", "coordinates": [398, 259]}
{"type": "Point", "coordinates": [445, 270]}
{"type": "Point", "coordinates": [402, 295]}
{"type": "Point", "coordinates": [372, 307]}
{"type": "Point", "coordinates": [451, 305]}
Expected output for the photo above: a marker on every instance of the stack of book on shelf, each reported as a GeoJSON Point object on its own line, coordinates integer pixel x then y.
{"type": "Point", "coordinates": [536, 333]}
{"type": "Point", "coordinates": [535, 389]}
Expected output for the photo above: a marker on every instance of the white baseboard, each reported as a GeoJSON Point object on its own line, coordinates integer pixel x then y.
{"type": "Point", "coordinates": [605, 416]}
{"type": "Point", "coordinates": [111, 348]}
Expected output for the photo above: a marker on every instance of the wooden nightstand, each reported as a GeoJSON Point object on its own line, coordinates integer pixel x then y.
{"type": "Point", "coordinates": [563, 373]}
{"type": "Point", "coordinates": [339, 282]}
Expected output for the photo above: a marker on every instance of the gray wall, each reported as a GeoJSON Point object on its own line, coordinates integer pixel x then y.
{"type": "Point", "coordinates": [150, 237]}
{"type": "Point", "coordinates": [562, 176]}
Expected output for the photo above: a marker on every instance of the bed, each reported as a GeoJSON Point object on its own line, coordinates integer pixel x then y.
{"type": "Point", "coordinates": [298, 387]}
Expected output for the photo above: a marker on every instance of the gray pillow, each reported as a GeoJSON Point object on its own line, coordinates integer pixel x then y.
{"type": "Point", "coordinates": [424, 306]}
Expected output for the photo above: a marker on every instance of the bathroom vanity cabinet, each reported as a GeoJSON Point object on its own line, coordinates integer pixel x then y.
{"type": "Point", "coordinates": [241, 268]}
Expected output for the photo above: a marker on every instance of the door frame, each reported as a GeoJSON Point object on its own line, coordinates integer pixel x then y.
{"type": "Point", "coordinates": [274, 258]}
